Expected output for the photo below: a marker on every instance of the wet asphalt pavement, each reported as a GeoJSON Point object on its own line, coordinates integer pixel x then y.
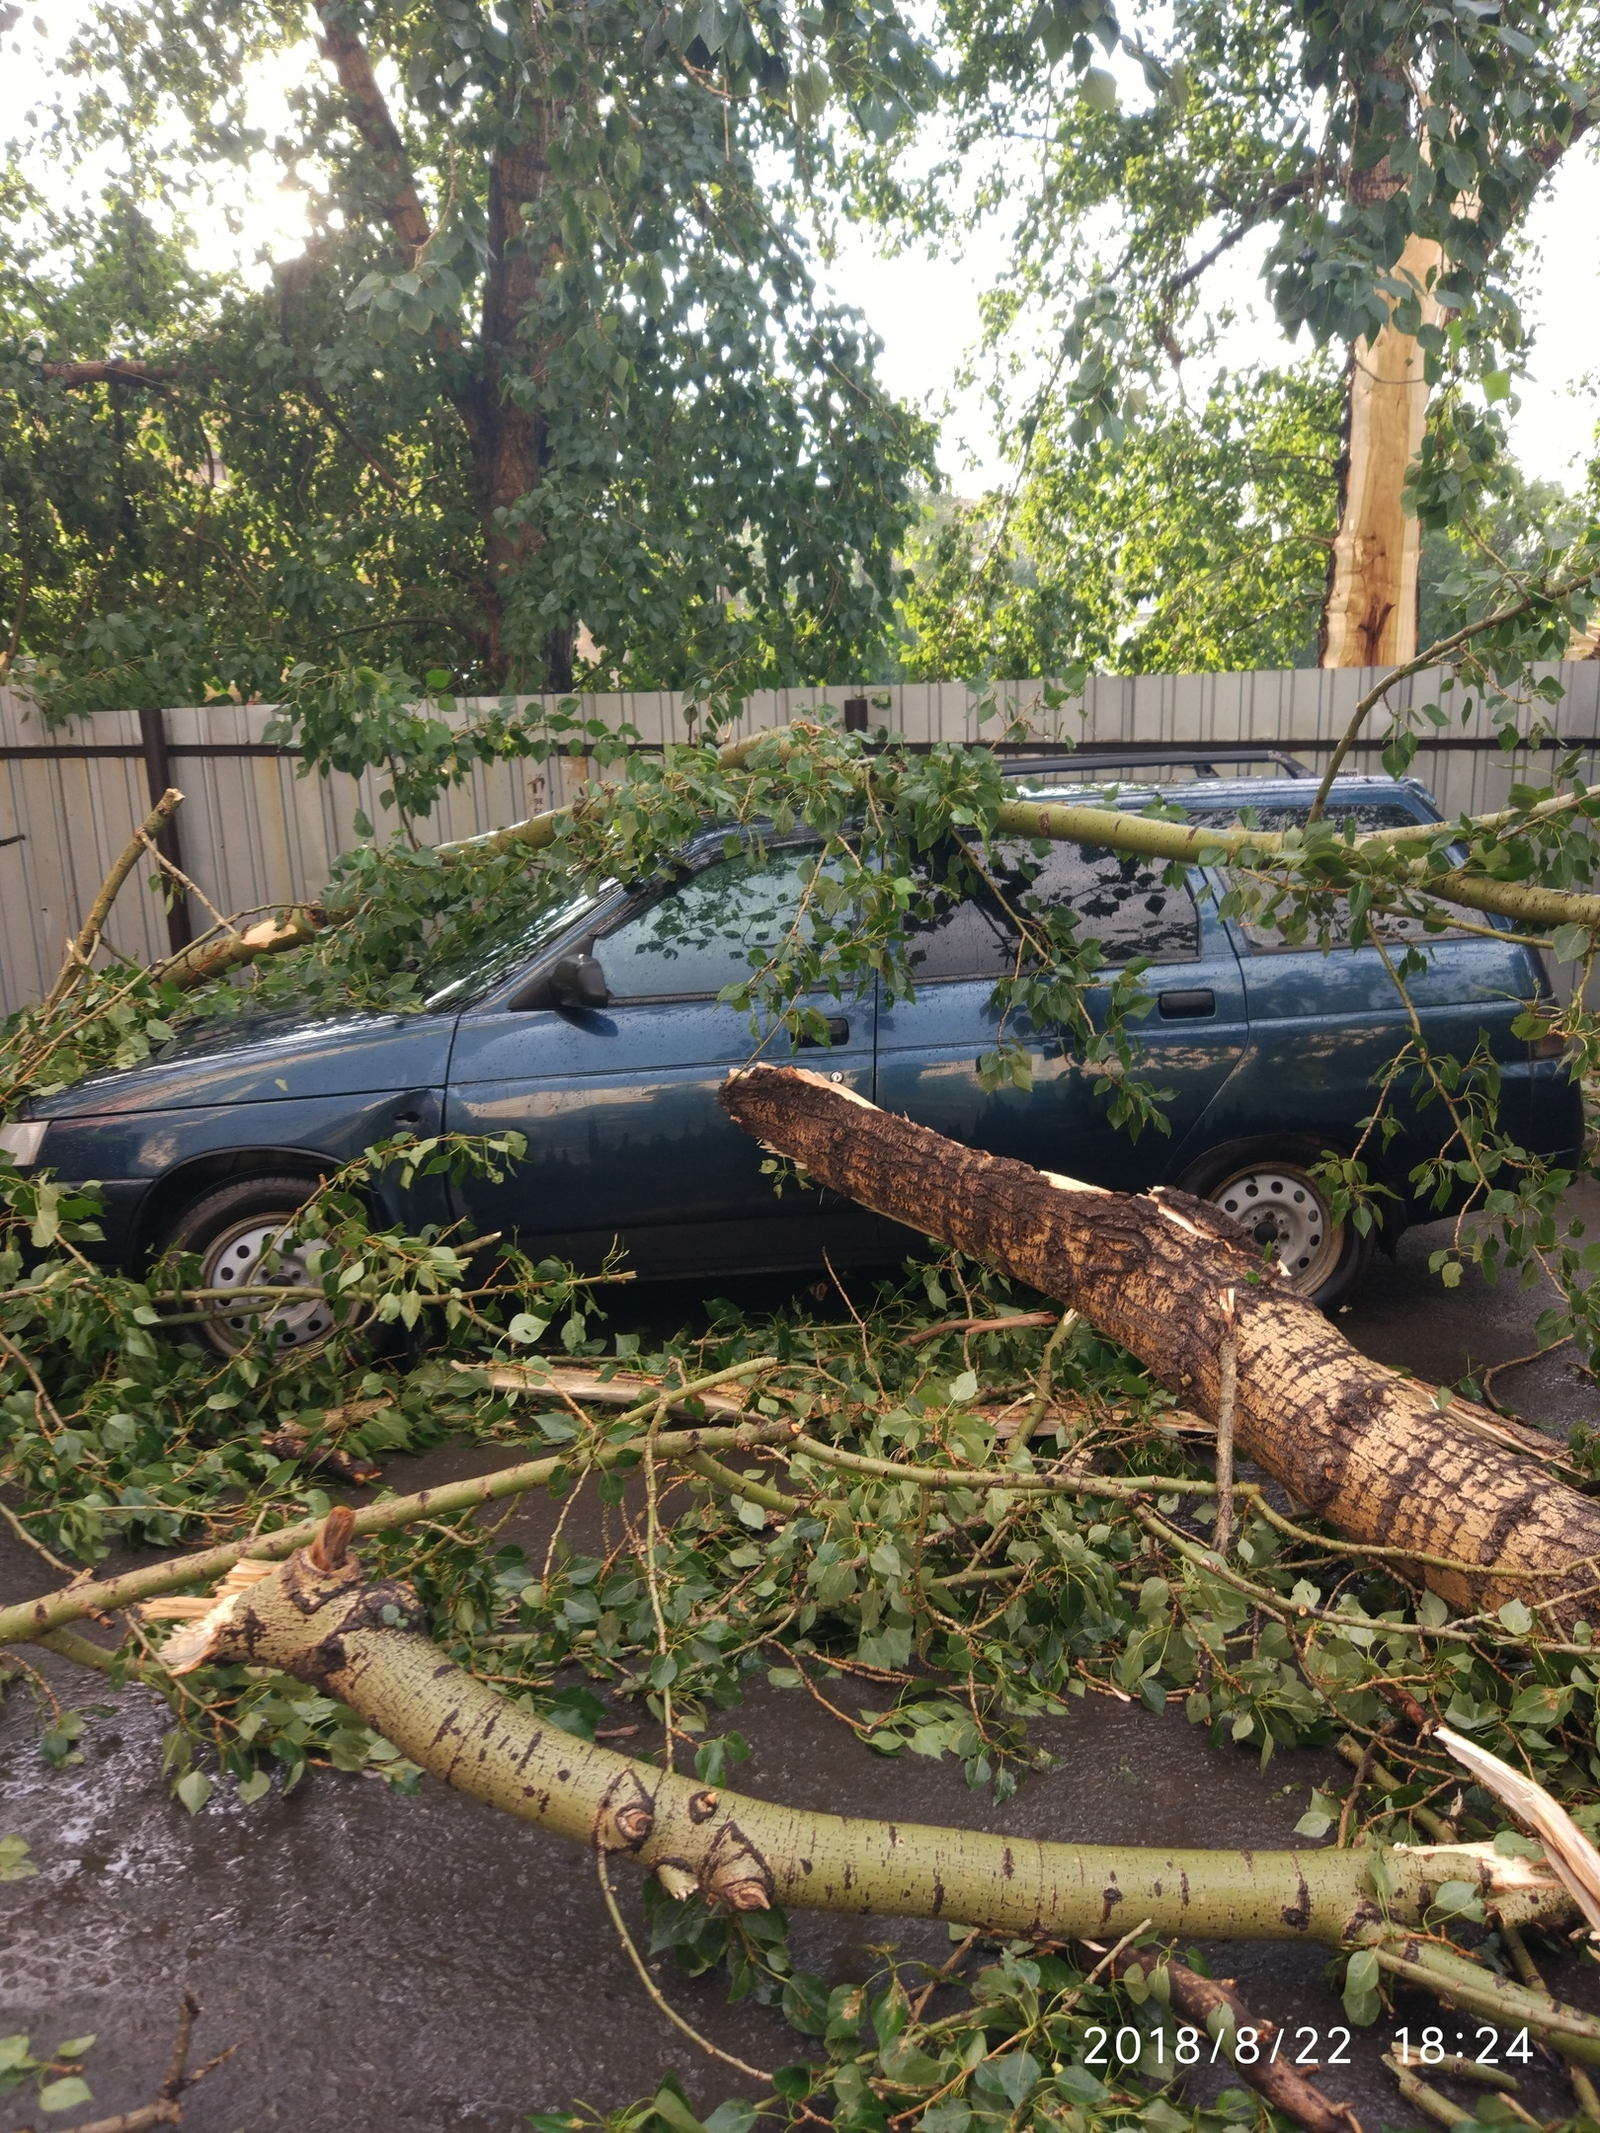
{"type": "Point", "coordinates": [385, 1965]}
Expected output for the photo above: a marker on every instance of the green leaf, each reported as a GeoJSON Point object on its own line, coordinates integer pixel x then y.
{"type": "Point", "coordinates": [15, 1865]}
{"type": "Point", "coordinates": [1458, 1899]}
{"type": "Point", "coordinates": [795, 2083]}
{"type": "Point", "coordinates": [951, 2116]}
{"type": "Point", "coordinates": [668, 2103]}
{"type": "Point", "coordinates": [1078, 2085]}
{"type": "Point", "coordinates": [1516, 1617]}
{"type": "Point", "coordinates": [1016, 2076]}
{"type": "Point", "coordinates": [74, 2047]}
{"type": "Point", "coordinates": [255, 1787]}
{"type": "Point", "coordinates": [63, 2095]}
{"type": "Point", "coordinates": [1361, 2001]}
{"type": "Point", "coordinates": [961, 1389]}
{"type": "Point", "coordinates": [1571, 944]}
{"type": "Point", "coordinates": [734, 2116]}
{"type": "Point", "coordinates": [1319, 1817]}
{"type": "Point", "coordinates": [194, 1790]}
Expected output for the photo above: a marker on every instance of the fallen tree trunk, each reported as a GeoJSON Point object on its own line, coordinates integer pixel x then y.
{"type": "Point", "coordinates": [1345, 1435]}
{"type": "Point", "coordinates": [319, 1619]}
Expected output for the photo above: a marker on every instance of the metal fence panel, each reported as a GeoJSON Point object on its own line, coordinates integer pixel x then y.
{"type": "Point", "coordinates": [253, 832]}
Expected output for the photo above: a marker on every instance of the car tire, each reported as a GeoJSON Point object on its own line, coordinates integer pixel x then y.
{"type": "Point", "coordinates": [229, 1229]}
{"type": "Point", "coordinates": [1270, 1192]}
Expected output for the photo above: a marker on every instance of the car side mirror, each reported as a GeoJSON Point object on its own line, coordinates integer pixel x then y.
{"type": "Point", "coordinates": [578, 981]}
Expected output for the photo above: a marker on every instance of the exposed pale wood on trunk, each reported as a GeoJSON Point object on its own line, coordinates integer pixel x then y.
{"type": "Point", "coordinates": [1370, 618]}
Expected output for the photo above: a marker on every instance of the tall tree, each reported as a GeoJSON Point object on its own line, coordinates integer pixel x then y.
{"type": "Point", "coordinates": [553, 355]}
{"type": "Point", "coordinates": [1382, 154]}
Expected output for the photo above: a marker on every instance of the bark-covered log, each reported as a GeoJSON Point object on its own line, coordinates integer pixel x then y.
{"type": "Point", "coordinates": [1346, 1436]}
{"type": "Point", "coordinates": [318, 1618]}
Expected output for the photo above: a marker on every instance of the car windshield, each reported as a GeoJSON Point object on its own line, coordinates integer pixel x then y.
{"type": "Point", "coordinates": [462, 979]}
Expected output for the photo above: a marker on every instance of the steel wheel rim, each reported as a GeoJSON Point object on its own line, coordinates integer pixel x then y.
{"type": "Point", "coordinates": [1281, 1208]}
{"type": "Point", "coordinates": [233, 1260]}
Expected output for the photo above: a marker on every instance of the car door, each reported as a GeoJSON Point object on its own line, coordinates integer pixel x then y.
{"type": "Point", "coordinates": [626, 1138]}
{"type": "Point", "coordinates": [928, 1050]}
{"type": "Point", "coordinates": [1326, 1023]}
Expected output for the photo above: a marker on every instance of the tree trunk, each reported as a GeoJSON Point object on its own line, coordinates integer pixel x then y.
{"type": "Point", "coordinates": [509, 447]}
{"type": "Point", "coordinates": [1369, 618]}
{"type": "Point", "coordinates": [1357, 1444]}
{"type": "Point", "coordinates": [497, 397]}
{"type": "Point", "coordinates": [318, 1619]}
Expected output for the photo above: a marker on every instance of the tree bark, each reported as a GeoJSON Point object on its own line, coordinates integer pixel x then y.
{"type": "Point", "coordinates": [1348, 1438]}
{"type": "Point", "coordinates": [318, 1619]}
{"type": "Point", "coordinates": [509, 447]}
{"type": "Point", "coordinates": [497, 395]}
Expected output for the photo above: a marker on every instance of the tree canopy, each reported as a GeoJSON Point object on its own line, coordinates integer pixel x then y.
{"type": "Point", "coordinates": [553, 356]}
{"type": "Point", "coordinates": [553, 370]}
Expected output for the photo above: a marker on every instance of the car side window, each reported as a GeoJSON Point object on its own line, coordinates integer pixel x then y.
{"type": "Point", "coordinates": [714, 929]}
{"type": "Point", "coordinates": [1263, 937]}
{"type": "Point", "coordinates": [1120, 901]}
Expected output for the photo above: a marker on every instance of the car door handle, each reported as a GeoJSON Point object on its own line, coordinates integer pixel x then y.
{"type": "Point", "coordinates": [1186, 1006]}
{"type": "Point", "coordinates": [838, 1033]}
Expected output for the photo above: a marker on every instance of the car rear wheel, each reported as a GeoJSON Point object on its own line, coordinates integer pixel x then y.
{"type": "Point", "coordinates": [1276, 1199]}
{"type": "Point", "coordinates": [233, 1230]}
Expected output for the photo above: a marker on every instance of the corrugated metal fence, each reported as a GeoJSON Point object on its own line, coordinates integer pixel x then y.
{"type": "Point", "coordinates": [253, 832]}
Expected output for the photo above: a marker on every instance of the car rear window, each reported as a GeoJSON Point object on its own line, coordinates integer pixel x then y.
{"type": "Point", "coordinates": [1333, 911]}
{"type": "Point", "coordinates": [1272, 815]}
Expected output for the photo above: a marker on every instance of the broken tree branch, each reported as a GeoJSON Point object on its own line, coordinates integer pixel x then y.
{"type": "Point", "coordinates": [114, 370]}
{"type": "Point", "coordinates": [1200, 2000]}
{"type": "Point", "coordinates": [216, 954]}
{"type": "Point", "coordinates": [167, 2109]}
{"type": "Point", "coordinates": [318, 1618]}
{"type": "Point", "coordinates": [80, 951]}
{"type": "Point", "coordinates": [27, 1621]}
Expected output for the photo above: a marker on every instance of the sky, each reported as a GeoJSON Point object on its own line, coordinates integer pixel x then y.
{"type": "Point", "coordinates": [925, 308]}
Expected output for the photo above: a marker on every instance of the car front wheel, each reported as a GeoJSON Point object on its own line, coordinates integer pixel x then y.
{"type": "Point", "coordinates": [234, 1231]}
{"type": "Point", "coordinates": [1278, 1202]}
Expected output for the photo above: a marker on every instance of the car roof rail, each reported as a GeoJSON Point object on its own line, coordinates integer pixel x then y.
{"type": "Point", "coordinates": [1200, 756]}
